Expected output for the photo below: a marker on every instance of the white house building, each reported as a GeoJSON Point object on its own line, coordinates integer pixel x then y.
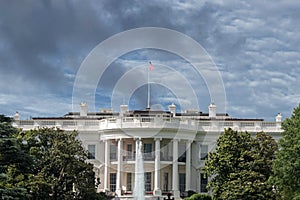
{"type": "Point", "coordinates": [175, 145]}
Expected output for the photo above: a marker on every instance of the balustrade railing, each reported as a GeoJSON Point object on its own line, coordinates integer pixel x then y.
{"type": "Point", "coordinates": [148, 156]}
{"type": "Point", "coordinates": [130, 157]}
{"type": "Point", "coordinates": [149, 122]}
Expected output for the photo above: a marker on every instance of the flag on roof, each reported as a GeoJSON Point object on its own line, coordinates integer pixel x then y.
{"type": "Point", "coordinates": [151, 66]}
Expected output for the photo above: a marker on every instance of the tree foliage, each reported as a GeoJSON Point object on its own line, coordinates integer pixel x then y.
{"type": "Point", "coordinates": [14, 163]}
{"type": "Point", "coordinates": [60, 170]}
{"type": "Point", "coordinates": [241, 166]}
{"type": "Point", "coordinates": [46, 163]}
{"type": "Point", "coordinates": [287, 162]}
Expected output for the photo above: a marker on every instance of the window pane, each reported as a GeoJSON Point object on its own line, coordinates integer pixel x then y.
{"type": "Point", "coordinates": [147, 181]}
{"type": "Point", "coordinates": [129, 147]}
{"type": "Point", "coordinates": [147, 148]}
{"type": "Point", "coordinates": [204, 152]}
{"type": "Point", "coordinates": [112, 180]}
{"type": "Point", "coordinates": [166, 182]}
{"type": "Point", "coordinates": [129, 181]}
{"type": "Point", "coordinates": [203, 183]}
{"type": "Point", "coordinates": [181, 182]}
{"type": "Point", "coordinates": [182, 153]}
{"type": "Point", "coordinates": [113, 152]}
{"type": "Point", "coordinates": [129, 152]}
{"type": "Point", "coordinates": [91, 151]}
{"type": "Point", "coordinates": [148, 155]}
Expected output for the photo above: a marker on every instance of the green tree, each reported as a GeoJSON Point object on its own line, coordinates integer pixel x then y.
{"type": "Point", "coordinates": [287, 162]}
{"type": "Point", "coordinates": [241, 166]}
{"type": "Point", "coordinates": [14, 163]}
{"type": "Point", "coordinates": [60, 170]}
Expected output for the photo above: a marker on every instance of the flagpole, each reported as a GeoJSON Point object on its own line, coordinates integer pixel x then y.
{"type": "Point", "coordinates": [148, 102]}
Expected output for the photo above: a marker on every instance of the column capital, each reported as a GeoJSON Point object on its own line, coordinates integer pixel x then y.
{"type": "Point", "coordinates": [189, 141]}
{"type": "Point", "coordinates": [137, 138]}
{"type": "Point", "coordinates": [157, 138]}
{"type": "Point", "coordinates": [176, 140]}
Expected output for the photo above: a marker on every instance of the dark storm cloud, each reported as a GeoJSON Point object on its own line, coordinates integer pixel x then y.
{"type": "Point", "coordinates": [39, 35]}
{"type": "Point", "coordinates": [42, 44]}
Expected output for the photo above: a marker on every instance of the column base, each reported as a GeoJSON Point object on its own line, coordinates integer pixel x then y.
{"type": "Point", "coordinates": [119, 192]}
{"type": "Point", "coordinates": [176, 194]}
{"type": "Point", "coordinates": [157, 192]}
{"type": "Point", "coordinates": [105, 190]}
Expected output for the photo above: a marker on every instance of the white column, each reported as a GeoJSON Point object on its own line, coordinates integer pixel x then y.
{"type": "Point", "coordinates": [106, 164]}
{"type": "Point", "coordinates": [188, 166]}
{"type": "Point", "coordinates": [157, 190]}
{"type": "Point", "coordinates": [175, 174]}
{"type": "Point", "coordinates": [119, 169]}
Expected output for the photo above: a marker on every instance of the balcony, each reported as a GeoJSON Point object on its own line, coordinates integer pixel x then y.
{"type": "Point", "coordinates": [149, 122]}
{"type": "Point", "coordinates": [130, 157]}
{"type": "Point", "coordinates": [149, 156]}
{"type": "Point", "coordinates": [166, 158]}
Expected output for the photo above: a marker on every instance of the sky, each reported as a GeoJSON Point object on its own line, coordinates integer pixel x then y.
{"type": "Point", "coordinates": [255, 46]}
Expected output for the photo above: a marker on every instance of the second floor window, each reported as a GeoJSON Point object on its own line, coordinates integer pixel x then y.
{"type": "Point", "coordinates": [203, 152]}
{"type": "Point", "coordinates": [147, 151]}
{"type": "Point", "coordinates": [91, 151]}
{"type": "Point", "coordinates": [113, 152]}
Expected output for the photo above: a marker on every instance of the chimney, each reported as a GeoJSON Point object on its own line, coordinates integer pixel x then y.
{"type": "Point", "coordinates": [17, 116]}
{"type": "Point", "coordinates": [172, 109]}
{"type": "Point", "coordinates": [278, 118]}
{"type": "Point", "coordinates": [123, 110]}
{"type": "Point", "coordinates": [83, 109]}
{"type": "Point", "coordinates": [212, 110]}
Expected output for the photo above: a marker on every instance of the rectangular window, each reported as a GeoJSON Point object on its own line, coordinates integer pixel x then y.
{"type": "Point", "coordinates": [167, 153]}
{"type": "Point", "coordinates": [182, 153]}
{"type": "Point", "coordinates": [129, 181]}
{"type": "Point", "coordinates": [203, 183]}
{"type": "Point", "coordinates": [147, 181]}
{"type": "Point", "coordinates": [113, 152]}
{"type": "Point", "coordinates": [129, 152]}
{"type": "Point", "coordinates": [148, 151]}
{"type": "Point", "coordinates": [147, 148]}
{"type": "Point", "coordinates": [204, 152]}
{"type": "Point", "coordinates": [91, 151]}
{"type": "Point", "coordinates": [112, 181]}
{"type": "Point", "coordinates": [181, 182]}
{"type": "Point", "coordinates": [166, 182]}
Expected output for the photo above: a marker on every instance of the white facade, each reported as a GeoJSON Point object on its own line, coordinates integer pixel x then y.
{"type": "Point", "coordinates": [175, 145]}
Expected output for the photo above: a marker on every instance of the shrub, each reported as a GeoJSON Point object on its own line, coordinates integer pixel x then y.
{"type": "Point", "coordinates": [199, 196]}
{"type": "Point", "coordinates": [190, 193]}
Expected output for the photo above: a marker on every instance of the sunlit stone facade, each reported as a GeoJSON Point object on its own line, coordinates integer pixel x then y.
{"type": "Point", "coordinates": [175, 145]}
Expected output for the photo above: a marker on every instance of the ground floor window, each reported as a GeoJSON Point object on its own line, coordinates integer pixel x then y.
{"type": "Point", "coordinates": [112, 180]}
{"type": "Point", "coordinates": [147, 181]}
{"type": "Point", "coordinates": [203, 183]}
{"type": "Point", "coordinates": [166, 182]}
{"type": "Point", "coordinates": [181, 182]}
{"type": "Point", "coordinates": [129, 182]}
